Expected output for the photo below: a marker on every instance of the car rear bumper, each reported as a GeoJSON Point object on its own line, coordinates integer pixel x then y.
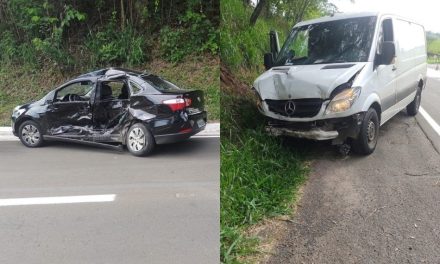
{"type": "Point", "coordinates": [191, 128]}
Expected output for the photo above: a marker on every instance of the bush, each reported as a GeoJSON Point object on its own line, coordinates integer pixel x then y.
{"type": "Point", "coordinates": [195, 35]}
{"type": "Point", "coordinates": [114, 46]}
{"type": "Point", "coordinates": [7, 47]}
{"type": "Point", "coordinates": [242, 45]}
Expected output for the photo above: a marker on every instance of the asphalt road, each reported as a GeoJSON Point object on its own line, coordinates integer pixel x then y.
{"type": "Point", "coordinates": [431, 97]}
{"type": "Point", "coordinates": [383, 208]}
{"type": "Point", "coordinates": [166, 206]}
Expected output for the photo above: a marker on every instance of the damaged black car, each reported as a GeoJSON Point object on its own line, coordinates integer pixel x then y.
{"type": "Point", "coordinates": [112, 108]}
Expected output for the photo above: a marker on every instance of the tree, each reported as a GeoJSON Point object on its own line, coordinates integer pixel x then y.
{"type": "Point", "coordinates": [257, 11]}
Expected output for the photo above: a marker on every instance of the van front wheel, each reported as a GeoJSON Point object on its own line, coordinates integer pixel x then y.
{"type": "Point", "coordinates": [366, 141]}
{"type": "Point", "coordinates": [413, 108]}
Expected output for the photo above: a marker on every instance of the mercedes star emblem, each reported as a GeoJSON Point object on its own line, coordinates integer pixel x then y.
{"type": "Point", "coordinates": [289, 108]}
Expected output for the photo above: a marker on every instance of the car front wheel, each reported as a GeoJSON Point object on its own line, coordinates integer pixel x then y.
{"type": "Point", "coordinates": [366, 141]}
{"type": "Point", "coordinates": [30, 134]}
{"type": "Point", "coordinates": [139, 140]}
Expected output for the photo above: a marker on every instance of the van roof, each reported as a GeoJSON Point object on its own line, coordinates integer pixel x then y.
{"type": "Point", "coordinates": [339, 16]}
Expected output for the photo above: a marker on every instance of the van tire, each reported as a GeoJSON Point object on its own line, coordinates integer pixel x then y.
{"type": "Point", "coordinates": [366, 141]}
{"type": "Point", "coordinates": [140, 142]}
{"type": "Point", "coordinates": [413, 108]}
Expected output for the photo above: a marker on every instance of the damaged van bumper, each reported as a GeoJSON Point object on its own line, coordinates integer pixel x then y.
{"type": "Point", "coordinates": [316, 133]}
{"type": "Point", "coordinates": [336, 129]}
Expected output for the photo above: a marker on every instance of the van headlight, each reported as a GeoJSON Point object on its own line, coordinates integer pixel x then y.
{"type": "Point", "coordinates": [343, 100]}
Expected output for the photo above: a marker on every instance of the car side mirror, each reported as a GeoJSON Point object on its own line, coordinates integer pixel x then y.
{"type": "Point", "coordinates": [49, 101]}
{"type": "Point", "coordinates": [388, 52]}
{"type": "Point", "coordinates": [268, 60]}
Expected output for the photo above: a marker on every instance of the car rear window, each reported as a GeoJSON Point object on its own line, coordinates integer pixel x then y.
{"type": "Point", "coordinates": [159, 84]}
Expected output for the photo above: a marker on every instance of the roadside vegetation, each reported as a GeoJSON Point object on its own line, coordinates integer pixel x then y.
{"type": "Point", "coordinates": [260, 175]}
{"type": "Point", "coordinates": [46, 42]}
{"type": "Point", "coordinates": [433, 40]}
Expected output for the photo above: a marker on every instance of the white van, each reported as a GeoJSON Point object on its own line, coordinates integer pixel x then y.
{"type": "Point", "coordinates": [340, 78]}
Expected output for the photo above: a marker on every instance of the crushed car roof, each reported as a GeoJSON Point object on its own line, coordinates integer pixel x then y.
{"type": "Point", "coordinates": [111, 71]}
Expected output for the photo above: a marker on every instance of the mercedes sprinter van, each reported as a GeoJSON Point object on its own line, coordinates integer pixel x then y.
{"type": "Point", "coordinates": [341, 77]}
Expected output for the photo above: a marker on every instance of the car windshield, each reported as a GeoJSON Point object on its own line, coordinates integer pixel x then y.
{"type": "Point", "coordinates": [345, 40]}
{"type": "Point", "coordinates": [159, 83]}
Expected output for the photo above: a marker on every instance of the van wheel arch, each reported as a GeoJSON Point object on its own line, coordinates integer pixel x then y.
{"type": "Point", "coordinates": [378, 109]}
{"type": "Point", "coordinates": [421, 84]}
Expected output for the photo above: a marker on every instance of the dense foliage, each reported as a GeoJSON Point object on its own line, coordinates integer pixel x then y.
{"type": "Point", "coordinates": [68, 33]}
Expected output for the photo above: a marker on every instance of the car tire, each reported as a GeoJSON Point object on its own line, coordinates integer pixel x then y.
{"type": "Point", "coordinates": [30, 134]}
{"type": "Point", "coordinates": [366, 141]}
{"type": "Point", "coordinates": [413, 108]}
{"type": "Point", "coordinates": [140, 141]}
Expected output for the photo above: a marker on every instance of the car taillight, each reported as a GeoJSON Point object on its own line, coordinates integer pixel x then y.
{"type": "Point", "coordinates": [177, 104]}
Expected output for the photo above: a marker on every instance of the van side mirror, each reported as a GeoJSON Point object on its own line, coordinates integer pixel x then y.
{"type": "Point", "coordinates": [388, 52]}
{"type": "Point", "coordinates": [268, 61]}
{"type": "Point", "coordinates": [274, 43]}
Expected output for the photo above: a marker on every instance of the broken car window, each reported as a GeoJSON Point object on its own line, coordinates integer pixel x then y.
{"type": "Point", "coordinates": [159, 84]}
{"type": "Point", "coordinates": [79, 91]}
{"type": "Point", "coordinates": [114, 90]}
{"type": "Point", "coordinates": [346, 40]}
{"type": "Point", "coordinates": [135, 88]}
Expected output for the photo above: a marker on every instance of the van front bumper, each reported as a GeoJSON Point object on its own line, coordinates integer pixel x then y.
{"type": "Point", "coordinates": [315, 134]}
{"type": "Point", "coordinates": [336, 129]}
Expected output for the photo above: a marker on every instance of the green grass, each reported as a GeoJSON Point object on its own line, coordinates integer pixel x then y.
{"type": "Point", "coordinates": [242, 45]}
{"type": "Point", "coordinates": [432, 60]}
{"type": "Point", "coordinates": [20, 84]}
{"type": "Point", "coordinates": [259, 176]}
{"type": "Point", "coordinates": [434, 46]}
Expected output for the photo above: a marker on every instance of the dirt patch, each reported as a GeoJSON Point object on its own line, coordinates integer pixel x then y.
{"type": "Point", "coordinates": [270, 232]}
{"type": "Point", "coordinates": [229, 83]}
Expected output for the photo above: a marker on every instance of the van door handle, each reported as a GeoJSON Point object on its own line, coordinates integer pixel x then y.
{"type": "Point", "coordinates": [394, 68]}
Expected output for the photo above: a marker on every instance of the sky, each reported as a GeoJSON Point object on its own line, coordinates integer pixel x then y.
{"type": "Point", "coordinates": [426, 12]}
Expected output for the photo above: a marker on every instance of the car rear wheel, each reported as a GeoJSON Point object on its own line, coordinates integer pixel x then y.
{"type": "Point", "coordinates": [139, 140]}
{"type": "Point", "coordinates": [30, 134]}
{"type": "Point", "coordinates": [366, 141]}
{"type": "Point", "coordinates": [413, 108]}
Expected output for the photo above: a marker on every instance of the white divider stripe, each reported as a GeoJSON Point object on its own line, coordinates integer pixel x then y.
{"type": "Point", "coordinates": [430, 120]}
{"type": "Point", "coordinates": [58, 200]}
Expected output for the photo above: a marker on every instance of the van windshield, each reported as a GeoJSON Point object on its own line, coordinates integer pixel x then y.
{"type": "Point", "coordinates": [345, 40]}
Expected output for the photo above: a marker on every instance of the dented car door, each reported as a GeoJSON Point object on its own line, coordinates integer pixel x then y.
{"type": "Point", "coordinates": [69, 113]}
{"type": "Point", "coordinates": [110, 109]}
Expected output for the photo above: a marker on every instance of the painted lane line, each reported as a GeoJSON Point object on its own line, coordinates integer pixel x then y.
{"type": "Point", "coordinates": [430, 120]}
{"type": "Point", "coordinates": [58, 200]}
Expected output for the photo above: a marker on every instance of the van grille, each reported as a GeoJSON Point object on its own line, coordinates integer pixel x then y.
{"type": "Point", "coordinates": [303, 107]}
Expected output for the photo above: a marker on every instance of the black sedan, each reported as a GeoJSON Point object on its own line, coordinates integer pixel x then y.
{"type": "Point", "coordinates": [112, 107]}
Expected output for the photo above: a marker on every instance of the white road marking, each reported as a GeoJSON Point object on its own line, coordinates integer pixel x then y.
{"type": "Point", "coordinates": [58, 200]}
{"type": "Point", "coordinates": [430, 120]}
{"type": "Point", "coordinates": [431, 73]}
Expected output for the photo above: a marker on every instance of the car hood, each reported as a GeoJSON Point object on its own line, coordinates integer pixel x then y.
{"type": "Point", "coordinates": [304, 81]}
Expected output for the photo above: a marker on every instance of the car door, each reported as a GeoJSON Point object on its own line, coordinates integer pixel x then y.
{"type": "Point", "coordinates": [111, 108]}
{"type": "Point", "coordinates": [69, 114]}
{"type": "Point", "coordinates": [386, 74]}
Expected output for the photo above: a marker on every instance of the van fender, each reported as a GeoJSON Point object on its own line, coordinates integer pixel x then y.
{"type": "Point", "coordinates": [371, 99]}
